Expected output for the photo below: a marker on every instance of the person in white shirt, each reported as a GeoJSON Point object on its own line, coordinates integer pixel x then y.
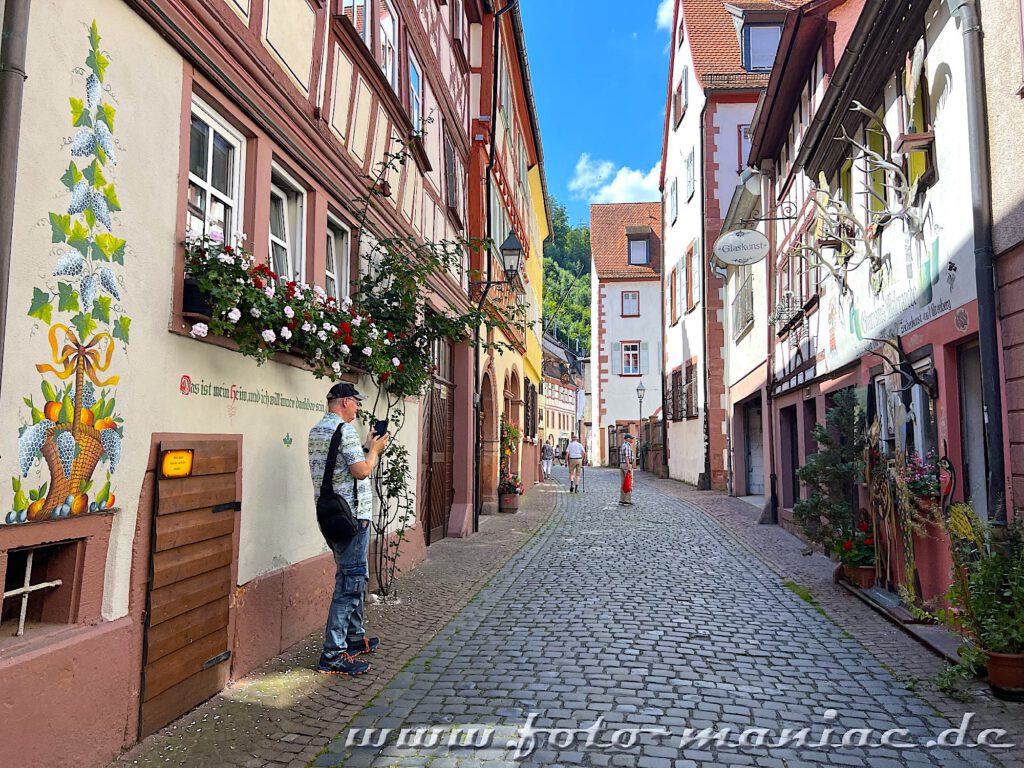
{"type": "Point", "coordinates": [576, 454]}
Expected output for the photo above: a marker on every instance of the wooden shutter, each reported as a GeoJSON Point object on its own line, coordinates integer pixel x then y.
{"type": "Point", "coordinates": [644, 358]}
{"type": "Point", "coordinates": [617, 358]}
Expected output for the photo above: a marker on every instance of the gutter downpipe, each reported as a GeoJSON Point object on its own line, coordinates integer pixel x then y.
{"type": "Point", "coordinates": [966, 12]}
{"type": "Point", "coordinates": [13, 51]}
{"type": "Point", "coordinates": [770, 512]}
{"type": "Point", "coordinates": [706, 484]}
{"type": "Point", "coordinates": [477, 400]}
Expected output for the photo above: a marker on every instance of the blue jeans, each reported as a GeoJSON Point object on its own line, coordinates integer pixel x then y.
{"type": "Point", "coordinates": [345, 616]}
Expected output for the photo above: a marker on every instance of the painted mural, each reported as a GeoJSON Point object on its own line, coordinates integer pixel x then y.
{"type": "Point", "coordinates": [69, 442]}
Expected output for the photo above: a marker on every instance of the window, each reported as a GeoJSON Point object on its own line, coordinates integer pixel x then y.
{"type": "Point", "coordinates": [673, 200]}
{"type": "Point", "coordinates": [639, 251]}
{"type": "Point", "coordinates": [287, 222]}
{"type": "Point", "coordinates": [691, 390]}
{"type": "Point", "coordinates": [415, 94]}
{"type": "Point", "coordinates": [522, 165]}
{"type": "Point", "coordinates": [214, 175]}
{"type": "Point", "coordinates": [681, 32]}
{"type": "Point", "coordinates": [358, 13]}
{"type": "Point", "coordinates": [336, 278]}
{"type": "Point", "coordinates": [673, 295]}
{"type": "Point", "coordinates": [744, 147]}
{"type": "Point", "coordinates": [690, 184]}
{"type": "Point", "coordinates": [458, 21]}
{"type": "Point", "coordinates": [389, 43]}
{"type": "Point", "coordinates": [452, 175]}
{"type": "Point", "coordinates": [631, 358]}
{"type": "Point", "coordinates": [759, 45]}
{"type": "Point", "coordinates": [39, 588]}
{"type": "Point", "coordinates": [691, 294]}
{"type": "Point", "coordinates": [631, 303]}
{"type": "Point", "coordinates": [743, 302]}
{"type": "Point", "coordinates": [677, 396]}
{"type": "Point", "coordinates": [504, 88]}
{"type": "Point", "coordinates": [876, 178]}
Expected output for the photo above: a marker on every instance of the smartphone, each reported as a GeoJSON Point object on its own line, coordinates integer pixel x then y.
{"type": "Point", "coordinates": [380, 427]}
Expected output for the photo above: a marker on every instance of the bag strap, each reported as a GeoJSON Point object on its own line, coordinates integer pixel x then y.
{"type": "Point", "coordinates": [327, 484]}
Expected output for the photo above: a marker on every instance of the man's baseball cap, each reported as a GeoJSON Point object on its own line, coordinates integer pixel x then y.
{"type": "Point", "coordinates": [345, 389]}
{"type": "Point", "coordinates": [630, 437]}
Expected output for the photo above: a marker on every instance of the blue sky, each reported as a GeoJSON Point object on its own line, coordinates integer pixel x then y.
{"type": "Point", "coordinates": [599, 70]}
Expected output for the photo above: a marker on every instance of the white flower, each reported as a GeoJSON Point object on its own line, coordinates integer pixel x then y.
{"type": "Point", "coordinates": [286, 333]}
{"type": "Point", "coordinates": [374, 334]}
{"type": "Point", "coordinates": [320, 292]}
{"type": "Point", "coordinates": [307, 327]}
{"type": "Point", "coordinates": [268, 336]}
{"type": "Point", "coordinates": [234, 315]}
{"type": "Point", "coordinates": [289, 312]}
{"type": "Point", "coordinates": [225, 258]}
{"type": "Point", "coordinates": [216, 235]}
{"type": "Point", "coordinates": [346, 303]}
{"type": "Point", "coordinates": [255, 312]}
{"type": "Point", "coordinates": [367, 351]}
{"type": "Point", "coordinates": [199, 330]}
{"type": "Point", "coordinates": [336, 367]}
{"type": "Point", "coordinates": [240, 281]}
{"type": "Point", "coordinates": [357, 321]}
{"type": "Point", "coordinates": [191, 234]}
{"type": "Point", "coordinates": [395, 362]}
{"type": "Point", "coordinates": [344, 349]}
{"type": "Point", "coordinates": [387, 342]}
{"type": "Point", "coordinates": [269, 291]}
{"type": "Point", "coordinates": [321, 335]}
{"type": "Point", "coordinates": [319, 353]}
{"type": "Point", "coordinates": [240, 237]}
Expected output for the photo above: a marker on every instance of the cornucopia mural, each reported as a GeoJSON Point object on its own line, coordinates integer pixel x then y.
{"type": "Point", "coordinates": [75, 426]}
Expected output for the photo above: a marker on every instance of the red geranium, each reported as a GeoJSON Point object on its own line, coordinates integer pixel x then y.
{"type": "Point", "coordinates": [863, 526]}
{"type": "Point", "coordinates": [348, 340]}
{"type": "Point", "coordinates": [847, 545]}
{"type": "Point", "coordinates": [346, 328]}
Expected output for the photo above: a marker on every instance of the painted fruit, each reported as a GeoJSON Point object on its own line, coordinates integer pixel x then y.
{"type": "Point", "coordinates": [110, 501]}
{"type": "Point", "coordinates": [79, 504]}
{"type": "Point", "coordinates": [92, 506]}
{"type": "Point", "coordinates": [22, 516]}
{"type": "Point", "coordinates": [52, 411]}
{"type": "Point", "coordinates": [65, 510]}
{"type": "Point", "coordinates": [35, 507]}
{"type": "Point", "coordinates": [87, 417]}
{"type": "Point", "coordinates": [11, 517]}
{"type": "Point", "coordinates": [106, 423]}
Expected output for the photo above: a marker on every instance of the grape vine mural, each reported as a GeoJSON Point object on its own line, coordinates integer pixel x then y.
{"type": "Point", "coordinates": [75, 425]}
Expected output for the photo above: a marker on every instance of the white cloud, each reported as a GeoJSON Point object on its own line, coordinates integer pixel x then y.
{"type": "Point", "coordinates": [665, 8]}
{"type": "Point", "coordinates": [630, 185]}
{"type": "Point", "coordinates": [589, 175]}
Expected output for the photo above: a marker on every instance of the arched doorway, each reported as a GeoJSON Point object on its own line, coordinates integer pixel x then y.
{"type": "Point", "coordinates": [513, 407]}
{"type": "Point", "coordinates": [489, 445]}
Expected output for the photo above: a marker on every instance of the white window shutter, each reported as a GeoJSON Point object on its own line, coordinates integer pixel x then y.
{"type": "Point", "coordinates": [617, 358]}
{"type": "Point", "coordinates": [680, 280]}
{"type": "Point", "coordinates": [644, 358]}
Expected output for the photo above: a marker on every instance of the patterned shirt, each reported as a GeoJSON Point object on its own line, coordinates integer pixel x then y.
{"type": "Point", "coordinates": [625, 453]}
{"type": "Point", "coordinates": [350, 452]}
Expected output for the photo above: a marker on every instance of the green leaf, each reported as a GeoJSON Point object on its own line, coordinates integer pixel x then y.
{"type": "Point", "coordinates": [106, 113]}
{"type": "Point", "coordinates": [71, 176]}
{"type": "Point", "coordinates": [94, 174]}
{"type": "Point", "coordinates": [34, 495]}
{"type": "Point", "coordinates": [94, 36]}
{"type": "Point", "coordinates": [48, 392]}
{"type": "Point", "coordinates": [111, 247]}
{"type": "Point", "coordinates": [15, 484]}
{"type": "Point", "coordinates": [41, 307]}
{"type": "Point", "coordinates": [101, 309]}
{"type": "Point", "coordinates": [79, 114]}
{"type": "Point", "coordinates": [98, 63]}
{"type": "Point", "coordinates": [28, 401]}
{"type": "Point", "coordinates": [101, 155]}
{"type": "Point", "coordinates": [107, 409]}
{"type": "Point", "coordinates": [42, 488]}
{"type": "Point", "coordinates": [84, 324]}
{"type": "Point", "coordinates": [68, 301]}
{"type": "Point", "coordinates": [60, 224]}
{"type": "Point", "coordinates": [90, 218]}
{"type": "Point", "coordinates": [78, 237]}
{"type": "Point", "coordinates": [112, 202]}
{"type": "Point", "coordinates": [121, 332]}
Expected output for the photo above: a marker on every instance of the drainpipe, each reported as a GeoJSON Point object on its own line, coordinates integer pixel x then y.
{"type": "Point", "coordinates": [477, 399]}
{"type": "Point", "coordinates": [966, 13]}
{"type": "Point", "coordinates": [770, 513]}
{"type": "Point", "coordinates": [705, 484]}
{"type": "Point", "coordinates": [13, 49]}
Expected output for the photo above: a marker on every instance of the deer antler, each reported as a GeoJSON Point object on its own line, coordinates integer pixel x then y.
{"type": "Point", "coordinates": [904, 369]}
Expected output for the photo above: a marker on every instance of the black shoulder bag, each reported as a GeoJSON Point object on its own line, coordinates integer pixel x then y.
{"type": "Point", "coordinates": [333, 513]}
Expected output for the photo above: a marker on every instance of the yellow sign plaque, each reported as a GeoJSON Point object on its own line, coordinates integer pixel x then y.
{"type": "Point", "coordinates": [176, 464]}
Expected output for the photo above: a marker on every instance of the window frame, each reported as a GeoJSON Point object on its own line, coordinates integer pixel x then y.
{"type": "Point", "coordinates": [342, 261]}
{"type": "Point", "coordinates": [281, 180]}
{"type": "Point", "coordinates": [219, 125]}
{"type": "Point", "coordinates": [629, 251]}
{"type": "Point", "coordinates": [746, 49]}
{"type": "Point", "coordinates": [691, 184]}
{"type": "Point", "coordinates": [690, 384]}
{"type": "Point", "coordinates": [673, 199]}
{"type": "Point", "coordinates": [622, 299]}
{"type": "Point", "coordinates": [673, 295]}
{"type": "Point", "coordinates": [393, 77]}
{"type": "Point", "coordinates": [622, 348]}
{"type": "Point", "coordinates": [366, 34]}
{"type": "Point", "coordinates": [743, 129]}
{"type": "Point", "coordinates": [415, 93]}
{"type": "Point", "coordinates": [691, 301]}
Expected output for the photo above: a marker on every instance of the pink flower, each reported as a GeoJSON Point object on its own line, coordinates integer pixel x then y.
{"type": "Point", "coordinates": [199, 330]}
{"type": "Point", "coordinates": [269, 336]}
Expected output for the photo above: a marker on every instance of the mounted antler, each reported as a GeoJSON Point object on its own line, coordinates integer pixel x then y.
{"type": "Point", "coordinates": [905, 369]}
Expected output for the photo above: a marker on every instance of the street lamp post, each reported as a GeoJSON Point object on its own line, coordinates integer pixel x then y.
{"type": "Point", "coordinates": [641, 390]}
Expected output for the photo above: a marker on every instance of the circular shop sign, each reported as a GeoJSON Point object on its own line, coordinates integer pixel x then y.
{"type": "Point", "coordinates": [741, 247]}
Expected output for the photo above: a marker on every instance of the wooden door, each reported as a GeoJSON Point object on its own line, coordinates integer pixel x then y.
{"type": "Point", "coordinates": [440, 467]}
{"type": "Point", "coordinates": [187, 645]}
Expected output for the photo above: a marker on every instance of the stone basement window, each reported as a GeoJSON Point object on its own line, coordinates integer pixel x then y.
{"type": "Point", "coordinates": [40, 589]}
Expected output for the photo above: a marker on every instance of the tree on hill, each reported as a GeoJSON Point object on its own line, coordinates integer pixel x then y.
{"type": "Point", "coordinates": [567, 278]}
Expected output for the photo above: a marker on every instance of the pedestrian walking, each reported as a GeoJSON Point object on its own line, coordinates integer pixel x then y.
{"type": "Point", "coordinates": [627, 463]}
{"type": "Point", "coordinates": [345, 637]}
{"type": "Point", "coordinates": [547, 455]}
{"type": "Point", "coordinates": [576, 454]}
{"type": "Point", "coordinates": [558, 453]}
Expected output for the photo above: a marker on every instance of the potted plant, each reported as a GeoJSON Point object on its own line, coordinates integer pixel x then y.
{"type": "Point", "coordinates": [917, 479]}
{"type": "Point", "coordinates": [510, 488]}
{"type": "Point", "coordinates": [857, 554]}
{"type": "Point", "coordinates": [987, 597]}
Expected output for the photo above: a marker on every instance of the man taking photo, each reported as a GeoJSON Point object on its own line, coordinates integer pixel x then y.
{"type": "Point", "coordinates": [345, 637]}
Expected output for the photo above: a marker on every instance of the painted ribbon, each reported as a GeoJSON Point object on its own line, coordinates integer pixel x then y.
{"type": "Point", "coordinates": [93, 360]}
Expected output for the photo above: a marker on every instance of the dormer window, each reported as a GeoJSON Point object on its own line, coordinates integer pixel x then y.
{"type": "Point", "coordinates": [639, 244]}
{"type": "Point", "coordinates": [760, 41]}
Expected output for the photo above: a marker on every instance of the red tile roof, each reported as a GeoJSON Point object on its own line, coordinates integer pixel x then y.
{"type": "Point", "coordinates": [608, 246]}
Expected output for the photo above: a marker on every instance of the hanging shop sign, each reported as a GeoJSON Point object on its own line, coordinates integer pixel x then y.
{"type": "Point", "coordinates": [741, 247]}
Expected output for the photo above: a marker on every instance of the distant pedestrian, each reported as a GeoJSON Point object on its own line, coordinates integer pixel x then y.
{"type": "Point", "coordinates": [627, 463]}
{"type": "Point", "coordinates": [547, 455]}
{"type": "Point", "coordinates": [345, 636]}
{"type": "Point", "coordinates": [558, 453]}
{"type": "Point", "coordinates": [576, 454]}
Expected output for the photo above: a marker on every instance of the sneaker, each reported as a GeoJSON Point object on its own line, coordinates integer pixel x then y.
{"type": "Point", "coordinates": [366, 645]}
{"type": "Point", "coordinates": [346, 665]}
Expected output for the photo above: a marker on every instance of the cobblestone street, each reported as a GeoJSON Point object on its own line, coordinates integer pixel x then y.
{"type": "Point", "coordinates": [647, 617]}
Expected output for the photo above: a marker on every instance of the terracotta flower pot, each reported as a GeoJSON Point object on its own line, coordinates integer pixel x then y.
{"type": "Point", "coordinates": [194, 301]}
{"type": "Point", "coordinates": [1006, 675]}
{"type": "Point", "coordinates": [508, 502]}
{"type": "Point", "coordinates": [862, 576]}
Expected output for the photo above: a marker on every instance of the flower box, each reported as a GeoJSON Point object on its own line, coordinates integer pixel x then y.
{"type": "Point", "coordinates": [196, 302]}
{"type": "Point", "coordinates": [508, 502]}
{"type": "Point", "coordinates": [862, 576]}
